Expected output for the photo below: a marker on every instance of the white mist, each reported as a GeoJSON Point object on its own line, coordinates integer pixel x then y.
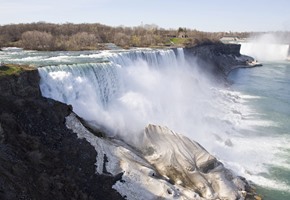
{"type": "Point", "coordinates": [266, 47]}
{"type": "Point", "coordinates": [136, 88]}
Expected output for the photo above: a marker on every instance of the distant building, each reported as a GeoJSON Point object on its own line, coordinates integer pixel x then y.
{"type": "Point", "coordinates": [182, 34]}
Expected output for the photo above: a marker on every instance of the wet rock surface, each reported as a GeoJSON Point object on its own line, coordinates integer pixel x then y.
{"type": "Point", "coordinates": [218, 59]}
{"type": "Point", "coordinates": [40, 158]}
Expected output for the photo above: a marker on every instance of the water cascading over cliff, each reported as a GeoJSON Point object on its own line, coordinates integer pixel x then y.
{"type": "Point", "coordinates": [265, 52]}
{"type": "Point", "coordinates": [122, 92]}
{"type": "Point", "coordinates": [127, 90]}
{"type": "Point", "coordinates": [266, 47]}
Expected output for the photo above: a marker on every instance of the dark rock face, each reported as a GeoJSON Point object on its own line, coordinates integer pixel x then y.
{"type": "Point", "coordinates": [217, 59]}
{"type": "Point", "coordinates": [39, 157]}
{"type": "Point", "coordinates": [26, 85]}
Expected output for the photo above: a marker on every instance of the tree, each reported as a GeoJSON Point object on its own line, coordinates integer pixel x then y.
{"type": "Point", "coordinates": [37, 40]}
{"type": "Point", "coordinates": [180, 30]}
{"type": "Point", "coordinates": [69, 36]}
{"type": "Point", "coordinates": [82, 40]}
{"type": "Point", "coordinates": [135, 41]}
{"type": "Point", "coordinates": [121, 39]}
{"type": "Point", "coordinates": [148, 40]}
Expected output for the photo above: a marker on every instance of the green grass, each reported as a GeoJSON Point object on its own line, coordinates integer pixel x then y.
{"type": "Point", "coordinates": [179, 41]}
{"type": "Point", "coordinates": [12, 69]}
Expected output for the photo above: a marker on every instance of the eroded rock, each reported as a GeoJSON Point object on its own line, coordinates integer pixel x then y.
{"type": "Point", "coordinates": [181, 159]}
{"type": "Point", "coordinates": [162, 164]}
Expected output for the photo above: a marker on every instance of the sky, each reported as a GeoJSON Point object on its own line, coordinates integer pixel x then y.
{"type": "Point", "coordinates": [203, 15]}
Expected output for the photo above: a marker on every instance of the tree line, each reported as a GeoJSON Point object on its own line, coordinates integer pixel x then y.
{"type": "Point", "coordinates": [49, 36]}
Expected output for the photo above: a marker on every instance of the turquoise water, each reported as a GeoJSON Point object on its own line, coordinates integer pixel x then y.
{"type": "Point", "coordinates": [270, 87]}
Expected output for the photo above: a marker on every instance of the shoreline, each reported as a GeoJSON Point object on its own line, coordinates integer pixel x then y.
{"type": "Point", "coordinates": [247, 66]}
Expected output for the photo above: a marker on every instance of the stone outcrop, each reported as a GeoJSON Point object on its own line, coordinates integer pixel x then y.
{"type": "Point", "coordinates": [40, 158]}
{"type": "Point", "coordinates": [219, 58]}
{"type": "Point", "coordinates": [21, 85]}
{"type": "Point", "coordinates": [187, 163]}
{"type": "Point", "coordinates": [163, 164]}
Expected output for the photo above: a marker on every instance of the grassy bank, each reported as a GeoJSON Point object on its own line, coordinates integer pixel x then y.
{"type": "Point", "coordinates": [180, 41]}
{"type": "Point", "coordinates": [13, 69]}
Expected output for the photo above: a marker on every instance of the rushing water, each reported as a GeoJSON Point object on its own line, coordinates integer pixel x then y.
{"type": "Point", "coordinates": [269, 90]}
{"type": "Point", "coordinates": [246, 126]}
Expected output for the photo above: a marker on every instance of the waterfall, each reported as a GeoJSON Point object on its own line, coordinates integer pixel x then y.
{"type": "Point", "coordinates": [81, 85]}
{"type": "Point", "coordinates": [265, 51]}
{"type": "Point", "coordinates": [125, 87]}
{"type": "Point", "coordinates": [127, 90]}
{"type": "Point", "coordinates": [124, 91]}
{"type": "Point", "coordinates": [266, 47]}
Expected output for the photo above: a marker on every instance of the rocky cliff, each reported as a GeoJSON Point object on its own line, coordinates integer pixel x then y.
{"type": "Point", "coordinates": [218, 59]}
{"type": "Point", "coordinates": [40, 158]}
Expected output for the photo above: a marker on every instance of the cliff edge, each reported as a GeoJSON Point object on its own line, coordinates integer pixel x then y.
{"type": "Point", "coordinates": [219, 58]}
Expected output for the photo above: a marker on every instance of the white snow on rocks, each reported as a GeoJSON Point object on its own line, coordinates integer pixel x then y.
{"type": "Point", "coordinates": [162, 164]}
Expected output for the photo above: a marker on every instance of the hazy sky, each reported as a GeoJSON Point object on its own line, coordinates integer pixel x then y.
{"type": "Point", "coordinates": [205, 15]}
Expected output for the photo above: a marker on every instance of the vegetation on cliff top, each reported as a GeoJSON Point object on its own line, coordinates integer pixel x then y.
{"type": "Point", "coordinates": [13, 69]}
{"type": "Point", "coordinates": [47, 36]}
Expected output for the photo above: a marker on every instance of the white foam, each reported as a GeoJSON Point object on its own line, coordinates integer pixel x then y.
{"type": "Point", "coordinates": [137, 88]}
{"type": "Point", "coordinates": [270, 183]}
{"type": "Point", "coordinates": [30, 59]}
{"type": "Point", "coordinates": [13, 49]}
{"type": "Point", "coordinates": [252, 156]}
{"type": "Point", "coordinates": [59, 58]}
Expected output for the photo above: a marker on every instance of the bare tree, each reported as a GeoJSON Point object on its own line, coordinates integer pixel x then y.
{"type": "Point", "coordinates": [69, 36]}
{"type": "Point", "coordinates": [82, 40]}
{"type": "Point", "coordinates": [135, 41]}
{"type": "Point", "coordinates": [37, 40]}
{"type": "Point", "coordinates": [122, 40]}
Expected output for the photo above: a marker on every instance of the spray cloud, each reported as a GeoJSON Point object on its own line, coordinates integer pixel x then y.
{"type": "Point", "coordinates": [267, 47]}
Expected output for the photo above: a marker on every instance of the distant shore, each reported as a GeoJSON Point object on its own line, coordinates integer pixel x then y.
{"type": "Point", "coordinates": [72, 37]}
